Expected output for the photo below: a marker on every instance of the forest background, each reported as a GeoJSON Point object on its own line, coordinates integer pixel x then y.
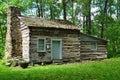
{"type": "Point", "coordinates": [100, 18]}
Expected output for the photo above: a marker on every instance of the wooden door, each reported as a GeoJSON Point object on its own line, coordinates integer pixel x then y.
{"type": "Point", "coordinates": [56, 49]}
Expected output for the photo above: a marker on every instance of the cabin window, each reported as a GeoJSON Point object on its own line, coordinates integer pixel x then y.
{"type": "Point", "coordinates": [41, 45]}
{"type": "Point", "coordinates": [93, 46]}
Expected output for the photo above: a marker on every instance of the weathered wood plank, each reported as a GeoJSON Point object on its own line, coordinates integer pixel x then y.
{"type": "Point", "coordinates": [70, 42]}
{"type": "Point", "coordinates": [93, 51]}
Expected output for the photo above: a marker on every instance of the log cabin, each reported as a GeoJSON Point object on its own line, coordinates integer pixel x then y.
{"type": "Point", "coordinates": [92, 47]}
{"type": "Point", "coordinates": [46, 40]}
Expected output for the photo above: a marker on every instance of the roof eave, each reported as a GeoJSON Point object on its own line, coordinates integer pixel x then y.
{"type": "Point", "coordinates": [94, 37]}
{"type": "Point", "coordinates": [53, 27]}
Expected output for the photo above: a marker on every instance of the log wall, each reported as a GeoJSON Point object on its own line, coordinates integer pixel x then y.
{"type": "Point", "coordinates": [25, 41]}
{"type": "Point", "coordinates": [87, 53]}
{"type": "Point", "coordinates": [70, 43]}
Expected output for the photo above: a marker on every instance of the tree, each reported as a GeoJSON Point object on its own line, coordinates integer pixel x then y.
{"type": "Point", "coordinates": [4, 4]}
{"type": "Point", "coordinates": [112, 34]}
{"type": "Point", "coordinates": [97, 22]}
{"type": "Point", "coordinates": [38, 8]}
{"type": "Point", "coordinates": [88, 16]}
{"type": "Point", "coordinates": [72, 10]}
{"type": "Point", "coordinates": [118, 8]}
{"type": "Point", "coordinates": [103, 22]}
{"type": "Point", "coordinates": [64, 9]}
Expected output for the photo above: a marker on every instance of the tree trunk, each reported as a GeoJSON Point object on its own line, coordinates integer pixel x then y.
{"type": "Point", "coordinates": [73, 15]}
{"type": "Point", "coordinates": [41, 8]}
{"type": "Point", "coordinates": [104, 21]}
{"type": "Point", "coordinates": [84, 24]}
{"type": "Point", "coordinates": [88, 16]}
{"type": "Point", "coordinates": [51, 12]}
{"type": "Point", "coordinates": [64, 9]}
{"type": "Point", "coordinates": [38, 8]}
{"type": "Point", "coordinates": [102, 30]}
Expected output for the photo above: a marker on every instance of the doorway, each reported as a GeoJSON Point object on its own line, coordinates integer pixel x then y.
{"type": "Point", "coordinates": [56, 49]}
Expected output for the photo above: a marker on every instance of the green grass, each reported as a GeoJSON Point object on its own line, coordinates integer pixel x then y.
{"type": "Point", "coordinates": [100, 70]}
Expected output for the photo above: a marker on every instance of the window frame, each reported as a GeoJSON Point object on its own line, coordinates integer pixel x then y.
{"type": "Point", "coordinates": [38, 50]}
{"type": "Point", "coordinates": [95, 45]}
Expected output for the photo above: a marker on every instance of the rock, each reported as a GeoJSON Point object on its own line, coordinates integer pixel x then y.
{"type": "Point", "coordinates": [8, 64]}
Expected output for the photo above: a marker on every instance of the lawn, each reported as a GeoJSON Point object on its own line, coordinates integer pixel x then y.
{"type": "Point", "coordinates": [108, 69]}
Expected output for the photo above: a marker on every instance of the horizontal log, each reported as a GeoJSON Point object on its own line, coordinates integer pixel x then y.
{"type": "Point", "coordinates": [68, 46]}
{"type": "Point", "coordinates": [102, 45]}
{"type": "Point", "coordinates": [93, 51]}
{"type": "Point", "coordinates": [93, 56]}
{"type": "Point", "coordinates": [90, 44]}
{"type": "Point", "coordinates": [71, 43]}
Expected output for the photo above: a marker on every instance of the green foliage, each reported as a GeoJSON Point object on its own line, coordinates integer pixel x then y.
{"type": "Point", "coordinates": [104, 70]}
{"type": "Point", "coordinates": [2, 39]}
{"type": "Point", "coordinates": [4, 4]}
{"type": "Point", "coordinates": [76, 11]}
{"type": "Point", "coordinates": [112, 34]}
{"type": "Point", "coordinates": [1, 50]}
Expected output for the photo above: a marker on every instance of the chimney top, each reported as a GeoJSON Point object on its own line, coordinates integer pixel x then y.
{"type": "Point", "coordinates": [14, 11]}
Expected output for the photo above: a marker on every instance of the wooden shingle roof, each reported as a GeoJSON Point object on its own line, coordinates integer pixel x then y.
{"type": "Point", "coordinates": [48, 23]}
{"type": "Point", "coordinates": [86, 37]}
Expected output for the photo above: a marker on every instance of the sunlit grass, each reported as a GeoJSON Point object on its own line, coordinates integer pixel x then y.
{"type": "Point", "coordinates": [100, 70]}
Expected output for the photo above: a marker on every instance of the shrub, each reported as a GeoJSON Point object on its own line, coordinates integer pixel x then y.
{"type": "Point", "coordinates": [17, 61]}
{"type": "Point", "coordinates": [1, 50]}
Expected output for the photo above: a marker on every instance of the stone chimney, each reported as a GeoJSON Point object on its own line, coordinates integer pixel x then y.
{"type": "Point", "coordinates": [13, 46]}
